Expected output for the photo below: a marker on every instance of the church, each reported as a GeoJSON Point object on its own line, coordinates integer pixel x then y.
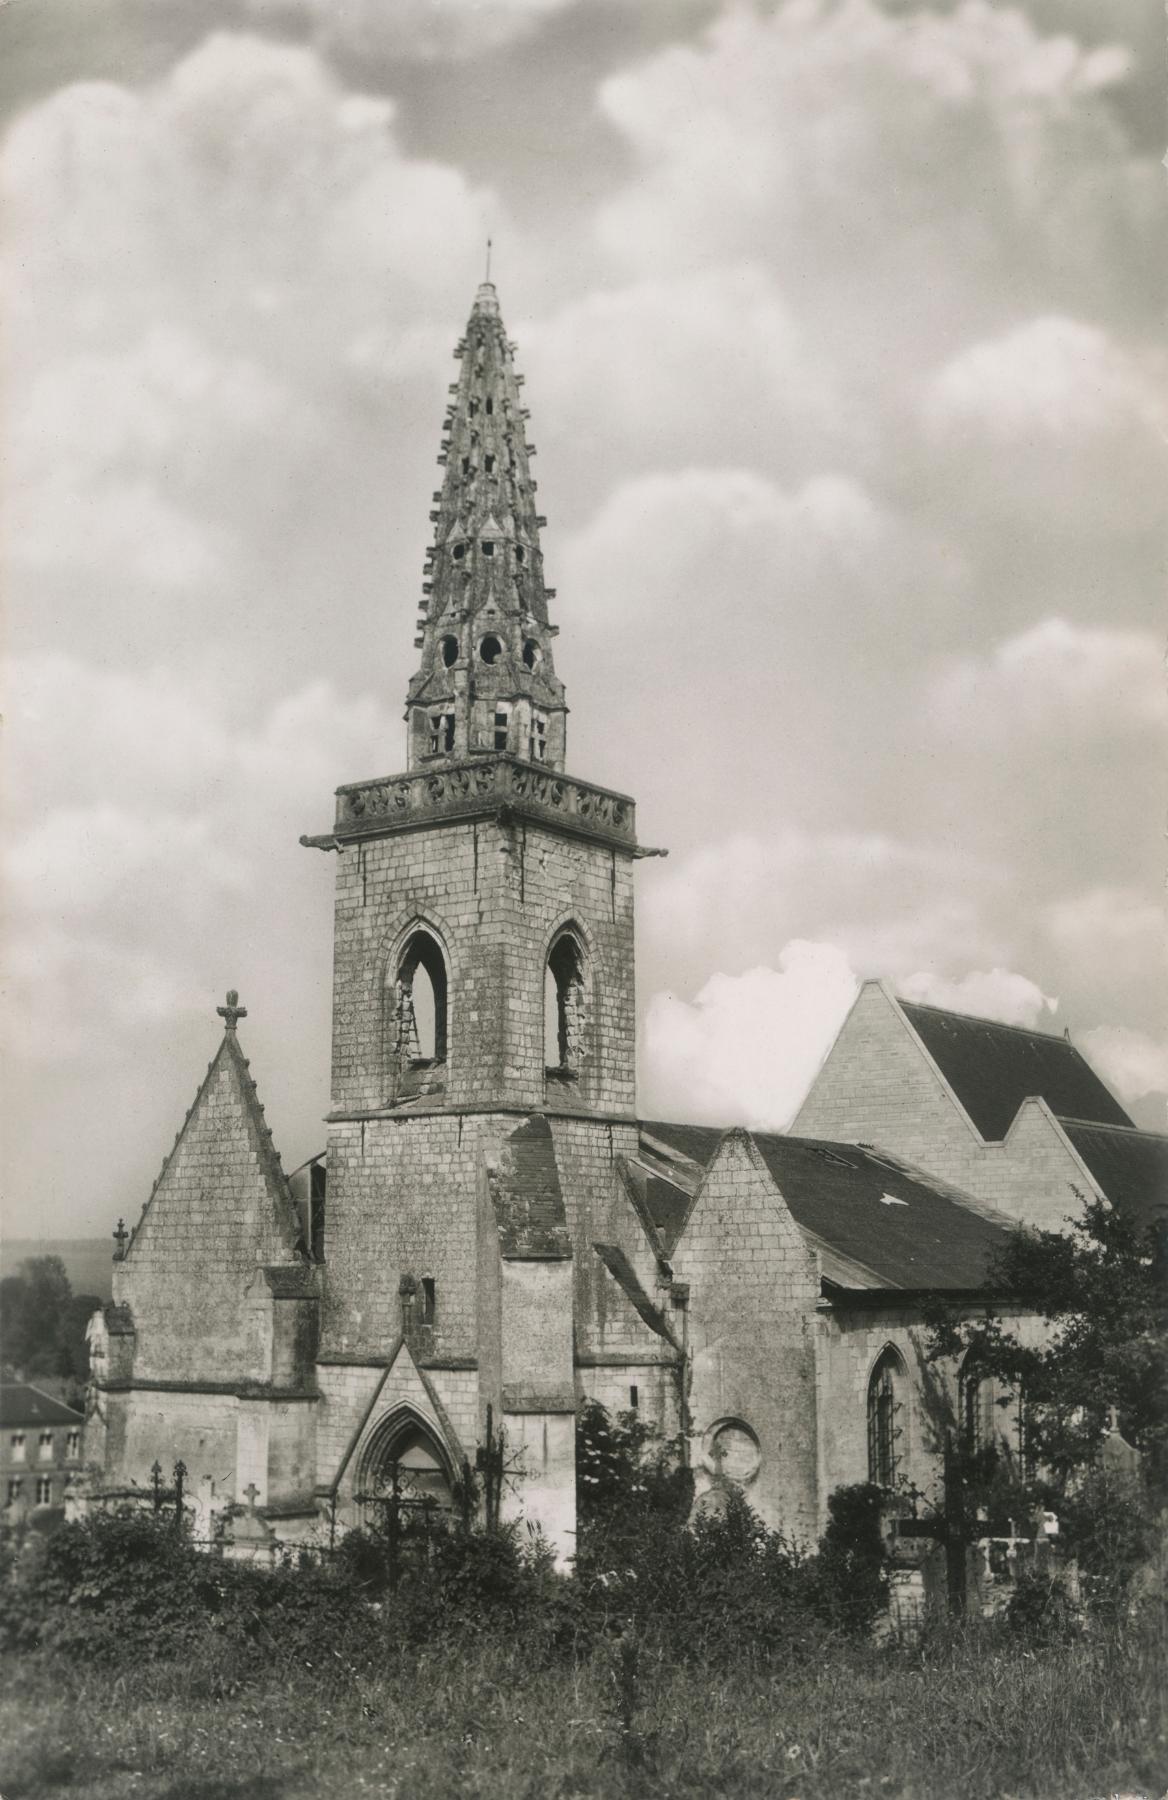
{"type": "Point", "coordinates": [493, 1235]}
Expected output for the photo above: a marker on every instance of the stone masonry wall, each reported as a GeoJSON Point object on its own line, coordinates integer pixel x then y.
{"type": "Point", "coordinates": [877, 1087]}
{"type": "Point", "coordinates": [848, 1344]}
{"type": "Point", "coordinates": [494, 894]}
{"type": "Point", "coordinates": [754, 1290]}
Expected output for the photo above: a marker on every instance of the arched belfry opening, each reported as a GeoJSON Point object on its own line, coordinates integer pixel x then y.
{"type": "Point", "coordinates": [565, 1006]}
{"type": "Point", "coordinates": [419, 997]}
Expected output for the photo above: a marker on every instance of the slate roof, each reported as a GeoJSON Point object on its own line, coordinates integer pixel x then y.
{"type": "Point", "coordinates": [844, 1198]}
{"type": "Point", "coordinates": [1130, 1166]}
{"type": "Point", "coordinates": [623, 1272]}
{"type": "Point", "coordinates": [23, 1404]}
{"type": "Point", "coordinates": [993, 1068]}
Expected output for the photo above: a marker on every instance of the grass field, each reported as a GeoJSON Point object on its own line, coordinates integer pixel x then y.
{"type": "Point", "coordinates": [967, 1717]}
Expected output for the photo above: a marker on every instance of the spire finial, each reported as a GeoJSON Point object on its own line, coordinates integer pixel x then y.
{"type": "Point", "coordinates": [232, 1012]}
{"type": "Point", "coordinates": [487, 276]}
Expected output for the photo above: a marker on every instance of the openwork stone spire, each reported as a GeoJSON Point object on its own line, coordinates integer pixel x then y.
{"type": "Point", "coordinates": [486, 683]}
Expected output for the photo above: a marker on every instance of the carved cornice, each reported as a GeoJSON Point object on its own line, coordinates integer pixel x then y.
{"type": "Point", "coordinates": [498, 785]}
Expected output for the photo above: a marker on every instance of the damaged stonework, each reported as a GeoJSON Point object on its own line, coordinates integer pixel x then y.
{"type": "Point", "coordinates": [527, 1287]}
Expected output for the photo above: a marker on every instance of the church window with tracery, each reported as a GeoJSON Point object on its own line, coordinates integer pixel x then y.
{"type": "Point", "coordinates": [502, 725]}
{"type": "Point", "coordinates": [885, 1411]}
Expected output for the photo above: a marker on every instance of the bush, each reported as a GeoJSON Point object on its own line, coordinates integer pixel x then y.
{"type": "Point", "coordinates": [851, 1571]}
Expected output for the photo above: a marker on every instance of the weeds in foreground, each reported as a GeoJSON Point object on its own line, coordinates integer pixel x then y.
{"type": "Point", "coordinates": [966, 1714]}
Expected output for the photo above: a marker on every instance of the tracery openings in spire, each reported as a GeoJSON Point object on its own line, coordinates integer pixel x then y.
{"type": "Point", "coordinates": [486, 683]}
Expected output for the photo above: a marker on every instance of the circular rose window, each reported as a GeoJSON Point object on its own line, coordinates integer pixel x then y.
{"type": "Point", "coordinates": [732, 1452]}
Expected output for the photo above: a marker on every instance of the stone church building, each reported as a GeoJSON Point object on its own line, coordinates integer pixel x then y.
{"type": "Point", "coordinates": [493, 1231]}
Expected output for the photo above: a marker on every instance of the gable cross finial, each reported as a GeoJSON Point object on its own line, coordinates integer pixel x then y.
{"type": "Point", "coordinates": [120, 1237]}
{"type": "Point", "coordinates": [233, 1012]}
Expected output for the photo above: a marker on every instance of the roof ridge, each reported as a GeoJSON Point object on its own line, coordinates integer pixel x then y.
{"type": "Point", "coordinates": [949, 1012]}
{"type": "Point", "coordinates": [1102, 1125]}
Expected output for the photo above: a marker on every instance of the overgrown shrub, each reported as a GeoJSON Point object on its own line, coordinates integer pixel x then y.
{"type": "Point", "coordinates": [851, 1570]}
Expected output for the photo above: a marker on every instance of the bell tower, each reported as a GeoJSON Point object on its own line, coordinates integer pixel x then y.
{"type": "Point", "coordinates": [483, 951]}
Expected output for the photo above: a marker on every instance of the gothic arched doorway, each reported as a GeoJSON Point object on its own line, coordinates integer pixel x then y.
{"type": "Point", "coordinates": [406, 1477]}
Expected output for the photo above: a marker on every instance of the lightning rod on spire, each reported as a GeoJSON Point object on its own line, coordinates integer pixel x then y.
{"type": "Point", "coordinates": [487, 276]}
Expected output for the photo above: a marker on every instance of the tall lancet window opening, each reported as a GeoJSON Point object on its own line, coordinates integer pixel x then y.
{"type": "Point", "coordinates": [886, 1419]}
{"type": "Point", "coordinates": [993, 1423]}
{"type": "Point", "coordinates": [419, 1000]}
{"type": "Point", "coordinates": [564, 1006]}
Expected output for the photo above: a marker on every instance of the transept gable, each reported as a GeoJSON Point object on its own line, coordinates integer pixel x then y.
{"type": "Point", "coordinates": [221, 1188]}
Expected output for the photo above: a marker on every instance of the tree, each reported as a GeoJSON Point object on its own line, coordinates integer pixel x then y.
{"type": "Point", "coordinates": [44, 1322]}
{"type": "Point", "coordinates": [1102, 1290]}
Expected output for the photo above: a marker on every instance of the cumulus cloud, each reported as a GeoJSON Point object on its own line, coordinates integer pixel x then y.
{"type": "Point", "coordinates": [887, 906]}
{"type": "Point", "coordinates": [422, 30]}
{"type": "Point", "coordinates": [745, 1049]}
{"type": "Point", "coordinates": [706, 366]}
{"type": "Point", "coordinates": [1134, 1063]}
{"type": "Point", "coordinates": [1082, 679]}
{"type": "Point", "coordinates": [986, 993]}
{"type": "Point", "coordinates": [1120, 928]}
{"type": "Point", "coordinates": [144, 817]}
{"type": "Point", "coordinates": [222, 288]}
{"type": "Point", "coordinates": [1053, 422]}
{"type": "Point", "coordinates": [803, 131]}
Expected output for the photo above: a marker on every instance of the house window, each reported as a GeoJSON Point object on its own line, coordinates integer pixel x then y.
{"type": "Point", "coordinates": [17, 1446]}
{"type": "Point", "coordinates": [73, 1443]}
{"type": "Point", "coordinates": [489, 466]}
{"type": "Point", "coordinates": [441, 732]}
{"type": "Point", "coordinates": [14, 1486]}
{"type": "Point", "coordinates": [538, 737]}
{"type": "Point", "coordinates": [45, 1446]}
{"type": "Point", "coordinates": [885, 1410]}
{"type": "Point", "coordinates": [502, 724]}
{"type": "Point", "coordinates": [564, 1005]}
{"type": "Point", "coordinates": [44, 1490]}
{"type": "Point", "coordinates": [634, 1399]}
{"type": "Point", "coordinates": [490, 406]}
{"type": "Point", "coordinates": [429, 1300]}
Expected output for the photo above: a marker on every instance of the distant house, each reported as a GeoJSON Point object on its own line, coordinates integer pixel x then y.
{"type": "Point", "coordinates": [1015, 1116]}
{"type": "Point", "coordinates": [40, 1448]}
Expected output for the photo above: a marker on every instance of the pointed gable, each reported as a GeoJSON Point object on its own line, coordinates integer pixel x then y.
{"type": "Point", "coordinates": [221, 1206]}
{"type": "Point", "coordinates": [992, 1068]}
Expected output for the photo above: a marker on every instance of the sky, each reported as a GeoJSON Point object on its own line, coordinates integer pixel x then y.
{"type": "Point", "coordinates": [841, 328]}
